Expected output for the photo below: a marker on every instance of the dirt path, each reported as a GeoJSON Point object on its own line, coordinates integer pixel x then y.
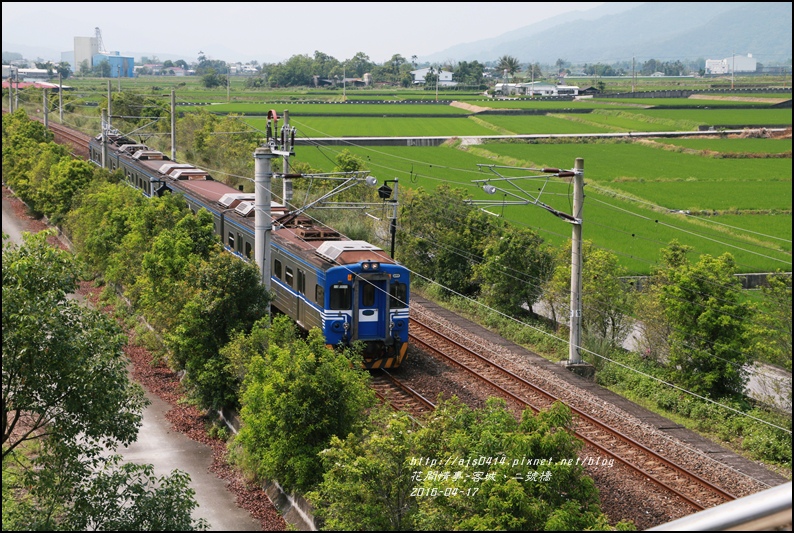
{"type": "Point", "coordinates": [739, 98]}
{"type": "Point", "coordinates": [469, 107]}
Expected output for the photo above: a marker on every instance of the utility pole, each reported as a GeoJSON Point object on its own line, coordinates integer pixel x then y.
{"type": "Point", "coordinates": [733, 69]}
{"type": "Point", "coordinates": [344, 83]}
{"type": "Point", "coordinates": [104, 139]}
{"type": "Point", "coordinates": [228, 85]}
{"type": "Point", "coordinates": [263, 225]}
{"type": "Point", "coordinates": [438, 75]}
{"type": "Point", "coordinates": [633, 78]}
{"type": "Point", "coordinates": [286, 144]}
{"type": "Point", "coordinates": [532, 78]}
{"type": "Point", "coordinates": [44, 103]}
{"type": "Point", "coordinates": [173, 124]}
{"type": "Point", "coordinates": [574, 355]}
{"type": "Point", "coordinates": [523, 197]}
{"type": "Point", "coordinates": [109, 101]}
{"type": "Point", "coordinates": [60, 98]}
{"type": "Point", "coordinates": [393, 225]}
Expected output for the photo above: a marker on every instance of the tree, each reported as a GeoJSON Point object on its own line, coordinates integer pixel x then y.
{"type": "Point", "coordinates": [64, 69]}
{"type": "Point", "coordinates": [771, 330]}
{"type": "Point", "coordinates": [461, 469]}
{"type": "Point", "coordinates": [102, 70]}
{"type": "Point", "coordinates": [561, 65]}
{"type": "Point", "coordinates": [607, 302]}
{"type": "Point", "coordinates": [469, 73]}
{"type": "Point", "coordinates": [65, 179]}
{"type": "Point", "coordinates": [99, 495]}
{"type": "Point", "coordinates": [228, 299]}
{"type": "Point", "coordinates": [708, 341]}
{"type": "Point", "coordinates": [367, 483]}
{"type": "Point", "coordinates": [508, 63]}
{"type": "Point", "coordinates": [534, 72]}
{"type": "Point", "coordinates": [67, 401]}
{"type": "Point", "coordinates": [359, 65]}
{"type": "Point", "coordinates": [64, 373]}
{"type": "Point", "coordinates": [212, 79]}
{"type": "Point", "coordinates": [99, 220]}
{"type": "Point", "coordinates": [295, 399]}
{"type": "Point", "coordinates": [515, 265]}
{"type": "Point", "coordinates": [444, 237]}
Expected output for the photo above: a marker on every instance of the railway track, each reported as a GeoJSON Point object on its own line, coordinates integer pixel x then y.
{"type": "Point", "coordinates": [78, 141]}
{"type": "Point", "coordinates": [689, 487]}
{"type": "Point", "coordinates": [400, 396]}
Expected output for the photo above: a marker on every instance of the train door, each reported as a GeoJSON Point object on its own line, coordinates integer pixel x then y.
{"type": "Point", "coordinates": [372, 301]}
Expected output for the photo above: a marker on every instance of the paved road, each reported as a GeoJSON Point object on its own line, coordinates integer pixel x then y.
{"type": "Point", "coordinates": [167, 449]}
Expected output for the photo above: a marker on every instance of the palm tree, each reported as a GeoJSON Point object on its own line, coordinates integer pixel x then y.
{"type": "Point", "coordinates": [509, 63]}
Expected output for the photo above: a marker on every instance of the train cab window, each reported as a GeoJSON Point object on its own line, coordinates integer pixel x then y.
{"type": "Point", "coordinates": [301, 282]}
{"type": "Point", "coordinates": [288, 276]}
{"type": "Point", "coordinates": [340, 297]}
{"type": "Point", "coordinates": [319, 295]}
{"type": "Point", "coordinates": [231, 240]}
{"type": "Point", "coordinates": [248, 250]}
{"type": "Point", "coordinates": [399, 295]}
{"type": "Point", "coordinates": [367, 295]}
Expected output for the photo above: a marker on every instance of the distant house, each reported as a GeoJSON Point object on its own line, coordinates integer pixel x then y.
{"type": "Point", "coordinates": [33, 74]}
{"type": "Point", "coordinates": [731, 64]}
{"type": "Point", "coordinates": [444, 77]}
{"type": "Point", "coordinates": [536, 89]}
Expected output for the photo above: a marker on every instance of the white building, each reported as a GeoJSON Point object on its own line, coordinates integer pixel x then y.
{"type": "Point", "coordinates": [731, 64]}
{"type": "Point", "coordinates": [536, 89]}
{"type": "Point", "coordinates": [444, 77]}
{"type": "Point", "coordinates": [85, 48]}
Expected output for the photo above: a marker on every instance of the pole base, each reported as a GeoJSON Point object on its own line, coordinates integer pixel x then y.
{"type": "Point", "coordinates": [585, 370]}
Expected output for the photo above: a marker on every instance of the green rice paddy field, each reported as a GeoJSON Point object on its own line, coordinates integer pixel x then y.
{"type": "Point", "coordinates": [716, 194]}
{"type": "Point", "coordinates": [633, 194]}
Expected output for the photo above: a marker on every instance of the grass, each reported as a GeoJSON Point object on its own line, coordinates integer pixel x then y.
{"type": "Point", "coordinates": [748, 147]}
{"type": "Point", "coordinates": [632, 185]}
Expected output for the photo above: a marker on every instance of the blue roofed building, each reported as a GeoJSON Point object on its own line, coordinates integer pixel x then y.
{"type": "Point", "coordinates": [120, 66]}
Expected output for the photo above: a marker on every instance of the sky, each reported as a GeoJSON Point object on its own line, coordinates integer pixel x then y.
{"type": "Point", "coordinates": [269, 31]}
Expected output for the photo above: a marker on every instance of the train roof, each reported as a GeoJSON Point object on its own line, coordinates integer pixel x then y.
{"type": "Point", "coordinates": [346, 252]}
{"type": "Point", "coordinates": [316, 243]}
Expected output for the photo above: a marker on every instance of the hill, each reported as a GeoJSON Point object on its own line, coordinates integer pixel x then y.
{"type": "Point", "coordinates": [618, 31]}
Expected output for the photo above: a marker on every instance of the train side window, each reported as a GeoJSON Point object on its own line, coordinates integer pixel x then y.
{"type": "Point", "coordinates": [319, 295]}
{"type": "Point", "coordinates": [399, 295]}
{"type": "Point", "coordinates": [277, 268]}
{"type": "Point", "coordinates": [231, 240]}
{"type": "Point", "coordinates": [288, 276]}
{"type": "Point", "coordinates": [367, 295]}
{"type": "Point", "coordinates": [239, 242]}
{"type": "Point", "coordinates": [340, 297]}
{"type": "Point", "coordinates": [301, 282]}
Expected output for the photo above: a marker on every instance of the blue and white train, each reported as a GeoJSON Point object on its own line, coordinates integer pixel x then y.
{"type": "Point", "coordinates": [352, 290]}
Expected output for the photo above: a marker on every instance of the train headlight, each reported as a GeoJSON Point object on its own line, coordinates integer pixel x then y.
{"type": "Point", "coordinates": [370, 266]}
